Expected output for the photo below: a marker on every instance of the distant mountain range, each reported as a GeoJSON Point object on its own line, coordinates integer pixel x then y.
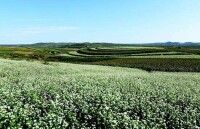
{"type": "Point", "coordinates": [173, 44]}
{"type": "Point", "coordinates": [88, 44]}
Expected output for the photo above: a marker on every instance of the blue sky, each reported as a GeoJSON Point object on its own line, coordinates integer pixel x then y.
{"type": "Point", "coordinates": [120, 21]}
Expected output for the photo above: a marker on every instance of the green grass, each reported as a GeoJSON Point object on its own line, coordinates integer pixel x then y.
{"type": "Point", "coordinates": [62, 95]}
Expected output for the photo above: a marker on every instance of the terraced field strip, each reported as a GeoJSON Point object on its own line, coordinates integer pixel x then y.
{"type": "Point", "coordinates": [142, 55]}
{"type": "Point", "coordinates": [132, 48]}
{"type": "Point", "coordinates": [155, 64]}
{"type": "Point", "coordinates": [167, 56]}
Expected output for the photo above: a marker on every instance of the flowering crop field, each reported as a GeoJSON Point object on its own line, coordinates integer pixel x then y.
{"type": "Point", "coordinates": [63, 95]}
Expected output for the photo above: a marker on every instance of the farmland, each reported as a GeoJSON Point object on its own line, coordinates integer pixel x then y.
{"type": "Point", "coordinates": [150, 58]}
{"type": "Point", "coordinates": [99, 86]}
{"type": "Point", "coordinates": [100, 64]}
{"type": "Point", "coordinates": [64, 95]}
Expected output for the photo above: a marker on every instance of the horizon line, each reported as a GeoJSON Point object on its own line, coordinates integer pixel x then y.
{"type": "Point", "coordinates": [96, 42]}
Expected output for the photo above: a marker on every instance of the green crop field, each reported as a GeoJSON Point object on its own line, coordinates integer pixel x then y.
{"type": "Point", "coordinates": [99, 64]}
{"type": "Point", "coordinates": [63, 95]}
{"type": "Point", "coordinates": [99, 86]}
{"type": "Point", "coordinates": [149, 58]}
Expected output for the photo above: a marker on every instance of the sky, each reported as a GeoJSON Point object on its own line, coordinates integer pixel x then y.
{"type": "Point", "coordinates": [116, 21]}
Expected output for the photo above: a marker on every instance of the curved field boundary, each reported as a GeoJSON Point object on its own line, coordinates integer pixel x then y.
{"type": "Point", "coordinates": [90, 51]}
{"type": "Point", "coordinates": [142, 55]}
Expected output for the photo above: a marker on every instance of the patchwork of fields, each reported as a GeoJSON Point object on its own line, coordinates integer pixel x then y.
{"type": "Point", "coordinates": [154, 58]}
{"type": "Point", "coordinates": [64, 95]}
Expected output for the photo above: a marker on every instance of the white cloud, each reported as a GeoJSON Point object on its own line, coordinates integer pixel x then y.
{"type": "Point", "coordinates": [39, 20]}
{"type": "Point", "coordinates": [36, 30]}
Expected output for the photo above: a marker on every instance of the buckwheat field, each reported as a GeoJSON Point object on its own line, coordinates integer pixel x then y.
{"type": "Point", "coordinates": [63, 95]}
